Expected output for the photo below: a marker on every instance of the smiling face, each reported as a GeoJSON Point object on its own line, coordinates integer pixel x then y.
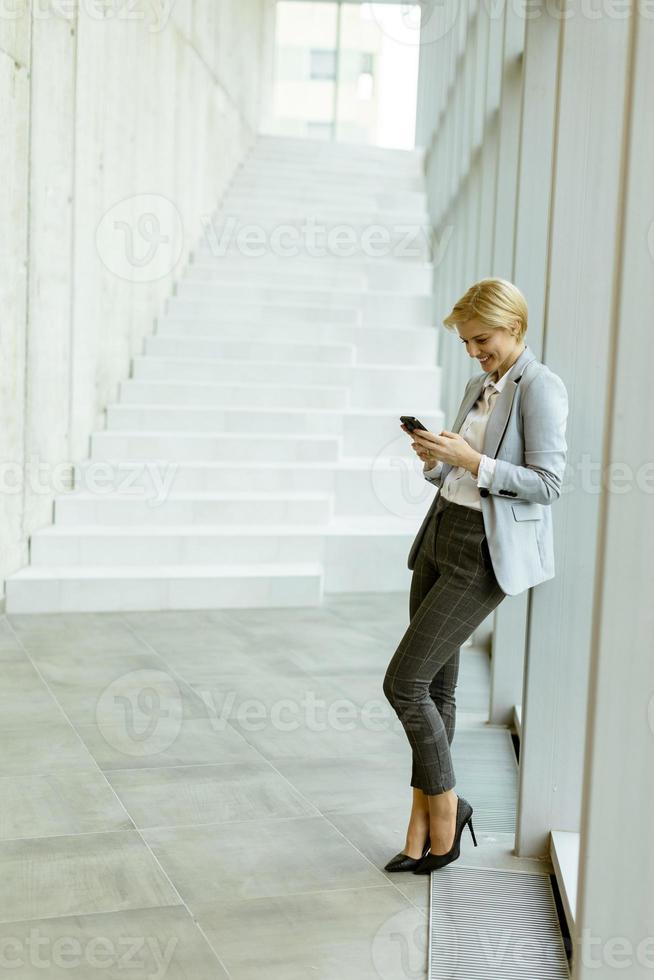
{"type": "Point", "coordinates": [495, 348]}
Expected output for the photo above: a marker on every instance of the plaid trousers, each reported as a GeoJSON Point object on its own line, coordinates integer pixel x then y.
{"type": "Point", "coordinates": [453, 589]}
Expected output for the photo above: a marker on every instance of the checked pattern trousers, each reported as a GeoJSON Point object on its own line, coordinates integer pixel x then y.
{"type": "Point", "coordinates": [453, 589]}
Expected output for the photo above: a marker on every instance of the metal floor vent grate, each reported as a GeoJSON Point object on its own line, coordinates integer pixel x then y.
{"type": "Point", "coordinates": [487, 775]}
{"type": "Point", "coordinates": [487, 922]}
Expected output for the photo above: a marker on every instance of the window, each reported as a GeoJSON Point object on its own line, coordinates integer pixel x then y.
{"type": "Point", "coordinates": [322, 63]}
{"type": "Point", "coordinates": [345, 71]}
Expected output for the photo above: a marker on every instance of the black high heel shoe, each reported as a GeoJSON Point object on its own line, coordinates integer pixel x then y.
{"type": "Point", "coordinates": [432, 862]}
{"type": "Point", "coordinates": [402, 861]}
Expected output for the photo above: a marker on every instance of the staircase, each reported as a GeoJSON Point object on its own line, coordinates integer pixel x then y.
{"type": "Point", "coordinates": [254, 456]}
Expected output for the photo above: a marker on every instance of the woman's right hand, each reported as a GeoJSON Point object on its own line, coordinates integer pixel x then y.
{"type": "Point", "coordinates": [420, 445]}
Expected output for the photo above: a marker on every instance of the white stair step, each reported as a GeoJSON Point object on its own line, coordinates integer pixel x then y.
{"type": "Point", "coordinates": [255, 208]}
{"type": "Point", "coordinates": [246, 190]}
{"type": "Point", "coordinates": [322, 173]}
{"type": "Point", "coordinates": [371, 311]}
{"type": "Point", "coordinates": [362, 242]}
{"type": "Point", "coordinates": [231, 349]}
{"type": "Point", "coordinates": [247, 278]}
{"type": "Point", "coordinates": [393, 274]}
{"type": "Point", "coordinates": [302, 147]}
{"type": "Point", "coordinates": [375, 306]}
{"type": "Point", "coordinates": [358, 486]}
{"type": "Point", "coordinates": [361, 431]}
{"type": "Point", "coordinates": [286, 221]}
{"type": "Point", "coordinates": [124, 545]}
{"type": "Point", "coordinates": [262, 312]}
{"type": "Point", "coordinates": [293, 294]}
{"type": "Point", "coordinates": [83, 508]}
{"type": "Point", "coordinates": [138, 391]}
{"type": "Point", "coordinates": [369, 345]}
{"type": "Point", "coordinates": [171, 446]}
{"type": "Point", "coordinates": [371, 385]}
{"type": "Point", "coordinates": [98, 588]}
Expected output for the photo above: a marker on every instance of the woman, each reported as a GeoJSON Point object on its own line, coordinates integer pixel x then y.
{"type": "Point", "coordinates": [488, 534]}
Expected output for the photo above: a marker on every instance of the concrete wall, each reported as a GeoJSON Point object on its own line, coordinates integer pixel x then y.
{"type": "Point", "coordinates": [575, 652]}
{"type": "Point", "coordinates": [118, 133]}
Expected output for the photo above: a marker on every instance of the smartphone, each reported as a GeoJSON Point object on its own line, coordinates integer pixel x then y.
{"type": "Point", "coordinates": [412, 423]}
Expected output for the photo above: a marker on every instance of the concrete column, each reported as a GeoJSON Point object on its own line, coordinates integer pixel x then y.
{"type": "Point", "coordinates": [616, 860]}
{"type": "Point", "coordinates": [577, 345]}
{"type": "Point", "coordinates": [532, 220]}
{"type": "Point", "coordinates": [14, 248]}
{"type": "Point", "coordinates": [508, 142]}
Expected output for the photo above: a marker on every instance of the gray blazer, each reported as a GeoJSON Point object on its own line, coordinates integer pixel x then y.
{"type": "Point", "coordinates": [526, 435]}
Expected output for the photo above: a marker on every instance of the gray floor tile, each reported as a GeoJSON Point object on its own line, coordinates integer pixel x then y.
{"type": "Point", "coordinates": [352, 934]}
{"type": "Point", "coordinates": [24, 697]}
{"type": "Point", "coordinates": [90, 648]}
{"type": "Point", "coordinates": [185, 619]}
{"type": "Point", "coordinates": [168, 741]}
{"type": "Point", "coordinates": [259, 857]}
{"type": "Point", "coordinates": [276, 770]}
{"type": "Point", "coordinates": [340, 651]}
{"type": "Point", "coordinates": [207, 794]}
{"type": "Point", "coordinates": [286, 698]}
{"type": "Point", "coordinates": [379, 834]}
{"type": "Point", "coordinates": [384, 615]}
{"type": "Point", "coordinates": [47, 747]}
{"type": "Point", "coordinates": [83, 873]}
{"type": "Point", "coordinates": [111, 689]}
{"type": "Point", "coordinates": [10, 649]}
{"type": "Point", "coordinates": [55, 803]}
{"type": "Point", "coordinates": [326, 738]}
{"type": "Point", "coordinates": [496, 850]}
{"type": "Point", "coordinates": [220, 642]}
{"type": "Point", "coordinates": [200, 665]}
{"type": "Point", "coordinates": [294, 618]}
{"type": "Point", "coordinates": [416, 889]}
{"type": "Point", "coordinates": [69, 627]}
{"type": "Point", "coordinates": [151, 944]}
{"type": "Point", "coordinates": [356, 784]}
{"type": "Point", "coordinates": [362, 688]}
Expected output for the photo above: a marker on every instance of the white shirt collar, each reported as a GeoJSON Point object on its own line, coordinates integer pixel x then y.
{"type": "Point", "coordinates": [498, 385]}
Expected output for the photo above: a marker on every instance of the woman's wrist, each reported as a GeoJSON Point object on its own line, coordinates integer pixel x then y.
{"type": "Point", "coordinates": [474, 464]}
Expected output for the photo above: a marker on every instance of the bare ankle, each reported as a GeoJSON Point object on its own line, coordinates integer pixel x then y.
{"type": "Point", "coordinates": [443, 804]}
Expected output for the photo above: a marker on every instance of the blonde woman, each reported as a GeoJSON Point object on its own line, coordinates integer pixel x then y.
{"type": "Point", "coordinates": [488, 534]}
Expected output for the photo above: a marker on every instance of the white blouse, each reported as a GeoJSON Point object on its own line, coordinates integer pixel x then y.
{"type": "Point", "coordinates": [460, 485]}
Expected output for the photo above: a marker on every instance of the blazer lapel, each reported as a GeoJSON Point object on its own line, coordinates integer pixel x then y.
{"type": "Point", "coordinates": [499, 416]}
{"type": "Point", "coordinates": [467, 403]}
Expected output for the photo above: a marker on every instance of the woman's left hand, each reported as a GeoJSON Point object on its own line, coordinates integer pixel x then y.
{"type": "Point", "coordinates": [450, 447]}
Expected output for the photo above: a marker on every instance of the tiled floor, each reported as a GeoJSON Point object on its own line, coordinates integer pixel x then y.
{"type": "Point", "coordinates": [214, 794]}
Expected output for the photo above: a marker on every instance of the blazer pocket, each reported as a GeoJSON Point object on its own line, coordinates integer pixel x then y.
{"type": "Point", "coordinates": [527, 510]}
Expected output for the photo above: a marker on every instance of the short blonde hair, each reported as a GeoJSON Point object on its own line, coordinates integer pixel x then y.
{"type": "Point", "coordinates": [496, 302]}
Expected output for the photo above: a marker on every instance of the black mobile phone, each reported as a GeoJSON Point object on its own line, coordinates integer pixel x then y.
{"type": "Point", "coordinates": [412, 423]}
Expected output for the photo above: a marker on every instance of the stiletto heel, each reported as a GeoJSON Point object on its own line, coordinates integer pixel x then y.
{"type": "Point", "coordinates": [431, 862]}
{"type": "Point", "coordinates": [472, 831]}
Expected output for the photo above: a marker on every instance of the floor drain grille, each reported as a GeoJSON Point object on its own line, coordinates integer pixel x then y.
{"type": "Point", "coordinates": [486, 922]}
